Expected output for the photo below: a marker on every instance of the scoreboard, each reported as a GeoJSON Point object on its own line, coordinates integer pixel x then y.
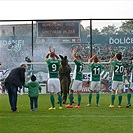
{"type": "Point", "coordinates": [58, 29]}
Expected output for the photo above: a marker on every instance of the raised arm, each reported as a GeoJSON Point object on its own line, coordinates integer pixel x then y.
{"type": "Point", "coordinates": [51, 54]}
{"type": "Point", "coordinates": [90, 59]}
{"type": "Point", "coordinates": [46, 57]}
{"type": "Point", "coordinates": [113, 58]}
{"type": "Point", "coordinates": [74, 54]}
{"type": "Point", "coordinates": [57, 57]}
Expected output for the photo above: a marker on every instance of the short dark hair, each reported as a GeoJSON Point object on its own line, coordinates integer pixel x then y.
{"type": "Point", "coordinates": [52, 54]}
{"type": "Point", "coordinates": [119, 56]}
{"type": "Point", "coordinates": [95, 59]}
{"type": "Point", "coordinates": [33, 78]}
{"type": "Point", "coordinates": [78, 56]}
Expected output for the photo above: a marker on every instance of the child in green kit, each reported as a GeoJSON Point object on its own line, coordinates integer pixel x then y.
{"type": "Point", "coordinates": [33, 93]}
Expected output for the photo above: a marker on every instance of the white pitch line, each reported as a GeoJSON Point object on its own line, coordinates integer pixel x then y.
{"type": "Point", "coordinates": [72, 116]}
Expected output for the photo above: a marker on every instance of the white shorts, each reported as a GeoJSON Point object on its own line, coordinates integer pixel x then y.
{"type": "Point", "coordinates": [54, 85]}
{"type": "Point", "coordinates": [117, 85]}
{"type": "Point", "coordinates": [95, 85]}
{"type": "Point", "coordinates": [76, 85]}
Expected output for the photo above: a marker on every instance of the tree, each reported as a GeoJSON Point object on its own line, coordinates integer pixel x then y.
{"type": "Point", "coordinates": [95, 31]}
{"type": "Point", "coordinates": [87, 31]}
{"type": "Point", "coordinates": [110, 29]}
{"type": "Point", "coordinates": [126, 27]}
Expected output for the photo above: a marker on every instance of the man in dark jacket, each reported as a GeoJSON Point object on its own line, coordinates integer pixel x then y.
{"type": "Point", "coordinates": [15, 79]}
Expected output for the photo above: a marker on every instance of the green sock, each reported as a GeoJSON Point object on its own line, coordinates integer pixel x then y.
{"type": "Point", "coordinates": [71, 98]}
{"type": "Point", "coordinates": [90, 97]}
{"type": "Point", "coordinates": [79, 99]}
{"type": "Point", "coordinates": [97, 98]}
{"type": "Point", "coordinates": [120, 99]}
{"type": "Point", "coordinates": [112, 99]}
{"type": "Point", "coordinates": [129, 97]}
{"type": "Point", "coordinates": [52, 100]}
{"type": "Point", "coordinates": [60, 99]}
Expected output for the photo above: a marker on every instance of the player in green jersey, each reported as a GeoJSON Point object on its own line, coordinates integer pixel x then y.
{"type": "Point", "coordinates": [130, 87]}
{"type": "Point", "coordinates": [96, 69]}
{"type": "Point", "coordinates": [76, 84]}
{"type": "Point", "coordinates": [117, 78]}
{"type": "Point", "coordinates": [53, 78]}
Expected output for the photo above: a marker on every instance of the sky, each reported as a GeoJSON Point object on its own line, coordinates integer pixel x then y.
{"type": "Point", "coordinates": [70, 9]}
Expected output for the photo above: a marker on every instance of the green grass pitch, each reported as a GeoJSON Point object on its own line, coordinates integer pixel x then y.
{"type": "Point", "coordinates": [84, 120]}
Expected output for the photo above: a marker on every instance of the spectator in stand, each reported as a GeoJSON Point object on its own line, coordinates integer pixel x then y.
{"type": "Point", "coordinates": [29, 61]}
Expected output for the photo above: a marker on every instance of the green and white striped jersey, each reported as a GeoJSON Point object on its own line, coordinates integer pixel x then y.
{"type": "Point", "coordinates": [118, 70]}
{"type": "Point", "coordinates": [78, 70]}
{"type": "Point", "coordinates": [131, 77]}
{"type": "Point", "coordinates": [104, 75]}
{"type": "Point", "coordinates": [53, 68]}
{"type": "Point", "coordinates": [96, 70]}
